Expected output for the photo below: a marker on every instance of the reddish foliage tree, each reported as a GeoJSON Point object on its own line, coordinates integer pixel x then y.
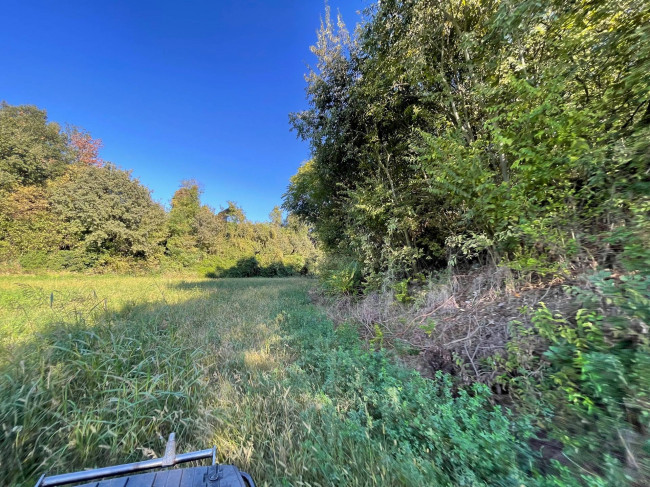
{"type": "Point", "coordinates": [86, 148]}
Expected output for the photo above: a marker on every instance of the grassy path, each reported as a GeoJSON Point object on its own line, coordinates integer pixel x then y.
{"type": "Point", "coordinates": [98, 370]}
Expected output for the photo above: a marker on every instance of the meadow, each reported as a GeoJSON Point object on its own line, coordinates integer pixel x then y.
{"type": "Point", "coordinates": [96, 370]}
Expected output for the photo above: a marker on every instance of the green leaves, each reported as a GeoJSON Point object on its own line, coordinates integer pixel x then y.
{"type": "Point", "coordinates": [441, 122]}
{"type": "Point", "coordinates": [593, 374]}
{"type": "Point", "coordinates": [109, 212]}
{"type": "Point", "coordinates": [32, 150]}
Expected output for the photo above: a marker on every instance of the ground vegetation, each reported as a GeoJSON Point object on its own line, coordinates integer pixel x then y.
{"type": "Point", "coordinates": [97, 370]}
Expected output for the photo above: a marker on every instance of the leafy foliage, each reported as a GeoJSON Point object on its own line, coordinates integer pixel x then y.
{"type": "Point", "coordinates": [105, 210]}
{"type": "Point", "coordinates": [31, 149]}
{"type": "Point", "coordinates": [462, 131]}
{"type": "Point", "coordinates": [593, 373]}
{"type": "Point", "coordinates": [63, 207]}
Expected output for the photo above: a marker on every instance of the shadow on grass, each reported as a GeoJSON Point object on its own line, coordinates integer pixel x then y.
{"type": "Point", "coordinates": [251, 267]}
{"type": "Point", "coordinates": [237, 283]}
{"type": "Point", "coordinates": [104, 386]}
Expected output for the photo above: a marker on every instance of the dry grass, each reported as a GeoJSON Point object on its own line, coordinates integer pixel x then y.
{"type": "Point", "coordinates": [454, 324]}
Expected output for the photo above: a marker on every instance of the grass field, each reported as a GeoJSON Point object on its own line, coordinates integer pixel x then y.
{"type": "Point", "coordinates": [97, 370]}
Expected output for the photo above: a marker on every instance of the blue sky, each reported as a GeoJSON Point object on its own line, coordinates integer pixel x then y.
{"type": "Point", "coordinates": [176, 90]}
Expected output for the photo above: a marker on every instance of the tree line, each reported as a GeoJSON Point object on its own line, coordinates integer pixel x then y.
{"type": "Point", "coordinates": [62, 207]}
{"type": "Point", "coordinates": [509, 133]}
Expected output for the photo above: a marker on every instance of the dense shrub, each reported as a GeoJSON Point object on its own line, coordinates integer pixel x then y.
{"type": "Point", "coordinates": [340, 274]}
{"type": "Point", "coordinates": [490, 132]}
{"type": "Point", "coordinates": [449, 437]}
{"type": "Point", "coordinates": [593, 374]}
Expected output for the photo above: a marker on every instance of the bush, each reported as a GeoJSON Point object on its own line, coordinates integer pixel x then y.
{"type": "Point", "coordinates": [296, 264]}
{"type": "Point", "coordinates": [34, 260]}
{"type": "Point", "coordinates": [340, 274]}
{"type": "Point", "coordinates": [594, 375]}
{"type": "Point", "coordinates": [79, 260]}
{"type": "Point", "coordinates": [246, 267]}
{"type": "Point", "coordinates": [40, 260]}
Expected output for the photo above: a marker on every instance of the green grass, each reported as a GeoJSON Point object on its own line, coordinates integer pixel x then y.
{"type": "Point", "coordinates": [96, 370]}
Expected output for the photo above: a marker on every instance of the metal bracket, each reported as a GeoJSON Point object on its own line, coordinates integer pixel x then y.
{"type": "Point", "coordinates": [169, 458]}
{"type": "Point", "coordinates": [214, 474]}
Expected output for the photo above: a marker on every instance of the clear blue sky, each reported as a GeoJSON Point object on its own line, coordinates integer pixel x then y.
{"type": "Point", "coordinates": [175, 89]}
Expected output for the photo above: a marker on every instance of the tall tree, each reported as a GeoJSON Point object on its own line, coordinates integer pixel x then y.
{"type": "Point", "coordinates": [330, 127]}
{"type": "Point", "coordinates": [474, 129]}
{"type": "Point", "coordinates": [32, 149]}
{"type": "Point", "coordinates": [185, 209]}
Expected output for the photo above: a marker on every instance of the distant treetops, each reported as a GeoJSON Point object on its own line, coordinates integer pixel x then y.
{"type": "Point", "coordinates": [62, 207]}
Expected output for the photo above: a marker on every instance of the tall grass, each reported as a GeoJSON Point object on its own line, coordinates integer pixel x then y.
{"type": "Point", "coordinates": [98, 370]}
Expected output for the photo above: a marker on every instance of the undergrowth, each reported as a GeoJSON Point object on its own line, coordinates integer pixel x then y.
{"type": "Point", "coordinates": [101, 369]}
{"type": "Point", "coordinates": [571, 355]}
